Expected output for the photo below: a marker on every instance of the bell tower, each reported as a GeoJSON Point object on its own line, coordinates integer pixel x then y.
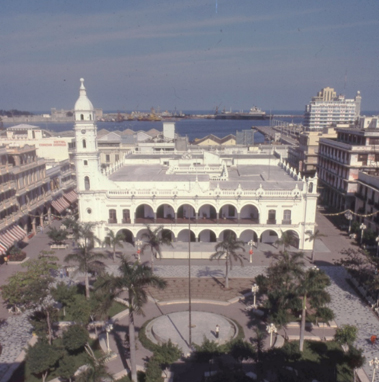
{"type": "Point", "coordinates": [87, 157]}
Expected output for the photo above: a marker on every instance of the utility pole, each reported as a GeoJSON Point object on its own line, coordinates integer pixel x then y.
{"type": "Point", "coordinates": [189, 287]}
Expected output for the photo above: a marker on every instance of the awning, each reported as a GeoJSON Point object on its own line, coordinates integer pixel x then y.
{"type": "Point", "coordinates": [60, 204]}
{"type": "Point", "coordinates": [18, 232]}
{"type": "Point", "coordinates": [3, 249]}
{"type": "Point", "coordinates": [71, 196]}
{"type": "Point", "coordinates": [7, 238]}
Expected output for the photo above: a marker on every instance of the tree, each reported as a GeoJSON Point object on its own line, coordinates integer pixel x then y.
{"type": "Point", "coordinates": [346, 334]}
{"type": "Point", "coordinates": [312, 286]}
{"type": "Point", "coordinates": [241, 350]}
{"type": "Point", "coordinates": [57, 235]}
{"type": "Point", "coordinates": [114, 240]}
{"type": "Point", "coordinates": [95, 371]}
{"type": "Point", "coordinates": [228, 248]}
{"type": "Point", "coordinates": [75, 337]}
{"type": "Point", "coordinates": [153, 371]}
{"type": "Point", "coordinates": [67, 366]}
{"type": "Point", "coordinates": [30, 289]}
{"type": "Point", "coordinates": [64, 294]}
{"type": "Point", "coordinates": [287, 240]}
{"type": "Point", "coordinates": [88, 261]}
{"type": "Point", "coordinates": [135, 278]}
{"type": "Point", "coordinates": [42, 358]}
{"type": "Point", "coordinates": [79, 309]}
{"type": "Point", "coordinates": [154, 240]}
{"type": "Point", "coordinates": [167, 353]}
{"type": "Point", "coordinates": [313, 237]}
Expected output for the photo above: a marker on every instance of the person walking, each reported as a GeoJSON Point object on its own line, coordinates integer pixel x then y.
{"type": "Point", "coordinates": [217, 331]}
{"type": "Point", "coordinates": [6, 260]}
{"type": "Point", "coordinates": [373, 339]}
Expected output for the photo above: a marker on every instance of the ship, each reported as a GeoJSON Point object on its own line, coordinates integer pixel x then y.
{"type": "Point", "coordinates": [254, 113]}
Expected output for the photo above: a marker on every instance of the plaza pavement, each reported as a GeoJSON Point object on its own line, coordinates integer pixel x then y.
{"type": "Point", "coordinates": [347, 306]}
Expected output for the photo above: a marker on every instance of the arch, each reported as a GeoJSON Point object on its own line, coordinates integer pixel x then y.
{"type": "Point", "coordinates": [185, 212]}
{"type": "Point", "coordinates": [228, 211]}
{"type": "Point", "coordinates": [128, 235]}
{"type": "Point", "coordinates": [269, 236]}
{"type": "Point", "coordinates": [295, 236]}
{"type": "Point", "coordinates": [247, 235]}
{"type": "Point", "coordinates": [207, 212]}
{"type": "Point", "coordinates": [249, 214]}
{"type": "Point", "coordinates": [225, 233]}
{"type": "Point", "coordinates": [144, 214]}
{"type": "Point", "coordinates": [165, 213]}
{"type": "Point", "coordinates": [207, 236]}
{"type": "Point", "coordinates": [183, 236]}
{"type": "Point", "coordinates": [87, 185]}
{"type": "Point", "coordinates": [167, 233]}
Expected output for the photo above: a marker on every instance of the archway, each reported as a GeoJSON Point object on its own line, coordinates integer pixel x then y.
{"type": "Point", "coordinates": [165, 214]}
{"type": "Point", "coordinates": [168, 234]}
{"type": "Point", "coordinates": [227, 233]}
{"type": "Point", "coordinates": [183, 236]}
{"type": "Point", "coordinates": [249, 215]}
{"type": "Point", "coordinates": [207, 236]}
{"type": "Point", "coordinates": [269, 237]}
{"type": "Point", "coordinates": [144, 214]}
{"type": "Point", "coordinates": [228, 213]}
{"type": "Point", "coordinates": [185, 212]}
{"type": "Point", "coordinates": [295, 238]}
{"type": "Point", "coordinates": [248, 235]}
{"type": "Point", "coordinates": [128, 235]}
{"type": "Point", "coordinates": [207, 214]}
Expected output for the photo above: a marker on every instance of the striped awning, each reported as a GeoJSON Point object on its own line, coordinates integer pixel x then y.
{"type": "Point", "coordinates": [3, 249]}
{"type": "Point", "coordinates": [60, 204]}
{"type": "Point", "coordinates": [71, 196]}
{"type": "Point", "coordinates": [11, 235]}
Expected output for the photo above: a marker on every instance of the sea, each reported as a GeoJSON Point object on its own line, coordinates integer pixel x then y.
{"type": "Point", "coordinates": [192, 127]}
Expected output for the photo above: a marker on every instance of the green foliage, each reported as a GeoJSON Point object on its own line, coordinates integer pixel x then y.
{"type": "Point", "coordinates": [154, 240]}
{"type": "Point", "coordinates": [166, 354]}
{"type": "Point", "coordinates": [64, 293]}
{"type": "Point", "coordinates": [291, 351]}
{"type": "Point", "coordinates": [97, 371]}
{"type": "Point", "coordinates": [355, 226]}
{"type": "Point", "coordinates": [241, 350]}
{"type": "Point", "coordinates": [57, 235]}
{"type": "Point", "coordinates": [229, 374]}
{"type": "Point", "coordinates": [153, 371]}
{"type": "Point", "coordinates": [67, 366]}
{"type": "Point", "coordinates": [42, 358]}
{"type": "Point", "coordinates": [79, 309]}
{"type": "Point", "coordinates": [346, 334]}
{"type": "Point", "coordinates": [287, 239]}
{"type": "Point", "coordinates": [38, 320]}
{"type": "Point", "coordinates": [75, 337]}
{"type": "Point", "coordinates": [207, 350]}
{"type": "Point", "coordinates": [355, 357]}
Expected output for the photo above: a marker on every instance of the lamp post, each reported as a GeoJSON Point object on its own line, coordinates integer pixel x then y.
{"type": "Point", "coordinates": [255, 289]}
{"type": "Point", "coordinates": [138, 244]}
{"type": "Point", "coordinates": [349, 217]}
{"type": "Point", "coordinates": [362, 227]}
{"type": "Point", "coordinates": [270, 330]}
{"type": "Point", "coordinates": [108, 329]}
{"type": "Point", "coordinates": [251, 243]}
{"type": "Point", "coordinates": [377, 247]}
{"type": "Point", "coordinates": [374, 363]}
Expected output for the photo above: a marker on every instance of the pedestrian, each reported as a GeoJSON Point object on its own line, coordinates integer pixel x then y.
{"type": "Point", "coordinates": [217, 331]}
{"type": "Point", "coordinates": [6, 260]}
{"type": "Point", "coordinates": [61, 273]}
{"type": "Point", "coordinates": [373, 339]}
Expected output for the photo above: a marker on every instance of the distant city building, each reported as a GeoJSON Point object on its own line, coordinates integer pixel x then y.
{"type": "Point", "coordinates": [196, 194]}
{"type": "Point", "coordinates": [327, 108]}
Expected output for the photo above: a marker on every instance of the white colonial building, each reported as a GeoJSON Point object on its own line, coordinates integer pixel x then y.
{"type": "Point", "coordinates": [198, 195]}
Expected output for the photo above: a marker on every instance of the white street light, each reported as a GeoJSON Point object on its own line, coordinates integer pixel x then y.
{"type": "Point", "coordinates": [108, 329]}
{"type": "Point", "coordinates": [138, 244]}
{"type": "Point", "coordinates": [255, 289]}
{"type": "Point", "coordinates": [270, 330]}
{"type": "Point", "coordinates": [349, 217]}
{"type": "Point", "coordinates": [362, 227]}
{"type": "Point", "coordinates": [251, 243]}
{"type": "Point", "coordinates": [374, 363]}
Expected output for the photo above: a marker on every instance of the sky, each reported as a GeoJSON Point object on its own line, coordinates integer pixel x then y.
{"type": "Point", "coordinates": [187, 54]}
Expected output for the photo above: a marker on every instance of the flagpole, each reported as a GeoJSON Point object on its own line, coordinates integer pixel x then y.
{"type": "Point", "coordinates": [189, 285]}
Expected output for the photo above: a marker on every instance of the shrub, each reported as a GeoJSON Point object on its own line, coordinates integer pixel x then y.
{"type": "Point", "coordinates": [75, 337]}
{"type": "Point", "coordinates": [167, 353]}
{"type": "Point", "coordinates": [355, 359]}
{"type": "Point", "coordinates": [17, 256]}
{"type": "Point", "coordinates": [153, 371]}
{"type": "Point", "coordinates": [346, 334]}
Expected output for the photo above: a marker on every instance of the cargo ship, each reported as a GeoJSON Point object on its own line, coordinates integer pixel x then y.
{"type": "Point", "coordinates": [254, 113]}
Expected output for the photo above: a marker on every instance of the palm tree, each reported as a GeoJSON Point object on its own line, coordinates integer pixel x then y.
{"type": "Point", "coordinates": [313, 237]}
{"type": "Point", "coordinates": [135, 278]}
{"type": "Point", "coordinates": [287, 239]}
{"type": "Point", "coordinates": [83, 233]}
{"type": "Point", "coordinates": [57, 235]}
{"type": "Point", "coordinates": [114, 241]}
{"type": "Point", "coordinates": [312, 286]}
{"type": "Point", "coordinates": [88, 261]}
{"type": "Point", "coordinates": [154, 240]}
{"type": "Point", "coordinates": [227, 248]}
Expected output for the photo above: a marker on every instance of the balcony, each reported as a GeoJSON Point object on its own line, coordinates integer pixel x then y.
{"type": "Point", "coordinates": [286, 222]}
{"type": "Point", "coordinates": [112, 221]}
{"type": "Point", "coordinates": [271, 221]}
{"type": "Point", "coordinates": [126, 221]}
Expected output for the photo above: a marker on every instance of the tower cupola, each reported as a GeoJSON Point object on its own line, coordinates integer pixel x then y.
{"type": "Point", "coordinates": [83, 106]}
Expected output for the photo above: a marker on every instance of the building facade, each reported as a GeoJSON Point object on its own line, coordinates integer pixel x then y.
{"type": "Point", "coordinates": [201, 195]}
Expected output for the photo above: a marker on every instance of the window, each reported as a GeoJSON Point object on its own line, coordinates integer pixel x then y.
{"type": "Point", "coordinates": [287, 217]}
{"type": "Point", "coordinates": [310, 187]}
{"type": "Point", "coordinates": [125, 216]}
{"type": "Point", "coordinates": [376, 157]}
{"type": "Point", "coordinates": [85, 163]}
{"type": "Point", "coordinates": [89, 211]}
{"type": "Point", "coordinates": [112, 216]}
{"type": "Point", "coordinates": [86, 183]}
{"type": "Point", "coordinates": [82, 117]}
{"type": "Point", "coordinates": [84, 144]}
{"type": "Point", "coordinates": [107, 158]}
{"type": "Point", "coordinates": [271, 217]}
{"type": "Point", "coordinates": [362, 158]}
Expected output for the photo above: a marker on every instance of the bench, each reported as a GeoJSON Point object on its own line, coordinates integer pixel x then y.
{"type": "Point", "coordinates": [58, 246]}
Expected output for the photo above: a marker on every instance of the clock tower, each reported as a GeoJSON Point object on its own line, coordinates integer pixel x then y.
{"type": "Point", "coordinates": [87, 161]}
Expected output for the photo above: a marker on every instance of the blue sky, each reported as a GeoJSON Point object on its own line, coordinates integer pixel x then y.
{"type": "Point", "coordinates": [188, 54]}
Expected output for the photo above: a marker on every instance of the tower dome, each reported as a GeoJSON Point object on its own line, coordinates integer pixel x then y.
{"type": "Point", "coordinates": [83, 103]}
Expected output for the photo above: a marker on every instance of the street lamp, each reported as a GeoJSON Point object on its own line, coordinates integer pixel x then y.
{"type": "Point", "coordinates": [251, 243]}
{"type": "Point", "coordinates": [362, 227]}
{"type": "Point", "coordinates": [377, 248]}
{"type": "Point", "coordinates": [374, 363]}
{"type": "Point", "coordinates": [270, 330]}
{"type": "Point", "coordinates": [349, 217]}
{"type": "Point", "coordinates": [108, 329]}
{"type": "Point", "coordinates": [138, 244]}
{"type": "Point", "coordinates": [255, 289]}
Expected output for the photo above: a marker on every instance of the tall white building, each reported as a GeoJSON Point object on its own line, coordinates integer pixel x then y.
{"type": "Point", "coordinates": [199, 195]}
{"type": "Point", "coordinates": [327, 108]}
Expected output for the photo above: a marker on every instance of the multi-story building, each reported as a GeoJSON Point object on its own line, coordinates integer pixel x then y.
{"type": "Point", "coordinates": [326, 109]}
{"type": "Point", "coordinates": [340, 161]}
{"type": "Point", "coordinates": [198, 195]}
